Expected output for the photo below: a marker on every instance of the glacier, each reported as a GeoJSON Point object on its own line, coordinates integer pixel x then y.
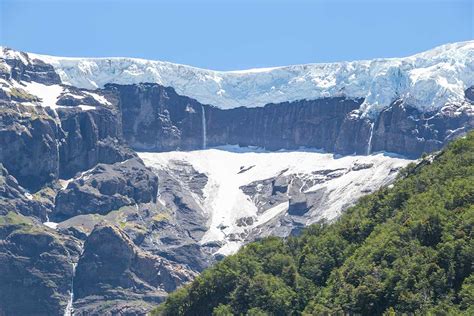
{"type": "Point", "coordinates": [427, 80]}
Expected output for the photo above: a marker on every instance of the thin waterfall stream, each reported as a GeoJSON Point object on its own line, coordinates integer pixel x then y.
{"type": "Point", "coordinates": [369, 144]}
{"type": "Point", "coordinates": [204, 132]}
{"type": "Point", "coordinates": [69, 311]}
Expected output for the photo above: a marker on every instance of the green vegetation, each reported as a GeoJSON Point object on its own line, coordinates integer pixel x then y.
{"type": "Point", "coordinates": [402, 250]}
{"type": "Point", "coordinates": [12, 218]}
{"type": "Point", "coordinates": [21, 95]}
{"type": "Point", "coordinates": [161, 217]}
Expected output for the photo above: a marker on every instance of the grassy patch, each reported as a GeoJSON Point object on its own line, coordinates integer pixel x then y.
{"type": "Point", "coordinates": [21, 95]}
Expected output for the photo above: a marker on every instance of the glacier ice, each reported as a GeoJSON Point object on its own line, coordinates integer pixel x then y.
{"type": "Point", "coordinates": [427, 80]}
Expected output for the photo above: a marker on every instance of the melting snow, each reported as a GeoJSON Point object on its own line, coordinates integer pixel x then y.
{"type": "Point", "coordinates": [52, 225]}
{"type": "Point", "coordinates": [48, 94]}
{"type": "Point", "coordinates": [225, 202]}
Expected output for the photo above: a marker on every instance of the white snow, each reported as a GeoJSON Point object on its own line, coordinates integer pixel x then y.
{"type": "Point", "coordinates": [86, 107]}
{"type": "Point", "coordinates": [99, 98]}
{"type": "Point", "coordinates": [427, 80]}
{"type": "Point", "coordinates": [48, 94]}
{"type": "Point", "coordinates": [224, 203]}
{"type": "Point", "coordinates": [64, 183]}
{"type": "Point", "coordinates": [52, 225]}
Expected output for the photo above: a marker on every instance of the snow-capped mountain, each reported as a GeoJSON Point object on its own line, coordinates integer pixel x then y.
{"type": "Point", "coordinates": [124, 166]}
{"type": "Point", "coordinates": [427, 80]}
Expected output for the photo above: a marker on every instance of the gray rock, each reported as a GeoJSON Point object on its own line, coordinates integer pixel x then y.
{"type": "Point", "coordinates": [280, 185]}
{"type": "Point", "coordinates": [157, 118]}
{"type": "Point", "coordinates": [14, 198]}
{"type": "Point", "coordinates": [34, 70]}
{"type": "Point", "coordinates": [35, 267]}
{"type": "Point", "coordinates": [114, 268]}
{"type": "Point", "coordinates": [91, 137]}
{"type": "Point", "coordinates": [29, 139]}
{"type": "Point", "coordinates": [106, 188]}
{"type": "Point", "coordinates": [403, 129]}
{"type": "Point", "coordinates": [361, 166]}
{"type": "Point", "coordinates": [298, 204]}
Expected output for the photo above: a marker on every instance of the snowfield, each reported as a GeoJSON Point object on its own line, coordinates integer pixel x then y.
{"type": "Point", "coordinates": [428, 80]}
{"type": "Point", "coordinates": [226, 168]}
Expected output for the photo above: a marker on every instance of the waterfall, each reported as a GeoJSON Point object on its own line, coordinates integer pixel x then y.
{"type": "Point", "coordinates": [369, 144]}
{"type": "Point", "coordinates": [204, 132]}
{"type": "Point", "coordinates": [69, 308]}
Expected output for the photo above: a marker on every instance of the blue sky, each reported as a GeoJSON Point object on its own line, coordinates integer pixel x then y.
{"type": "Point", "coordinates": [227, 34]}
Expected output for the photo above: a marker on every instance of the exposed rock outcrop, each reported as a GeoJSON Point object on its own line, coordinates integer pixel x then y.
{"type": "Point", "coordinates": [113, 268]}
{"type": "Point", "coordinates": [42, 139]}
{"type": "Point", "coordinates": [35, 267]}
{"type": "Point", "coordinates": [403, 129]}
{"type": "Point", "coordinates": [23, 68]}
{"type": "Point", "coordinates": [14, 198]}
{"type": "Point", "coordinates": [106, 188]}
{"type": "Point", "coordinates": [91, 137]}
{"type": "Point", "coordinates": [29, 139]}
{"type": "Point", "coordinates": [157, 118]}
{"type": "Point", "coordinates": [38, 147]}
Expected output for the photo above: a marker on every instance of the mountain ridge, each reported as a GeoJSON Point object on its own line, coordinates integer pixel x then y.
{"type": "Point", "coordinates": [427, 80]}
{"type": "Point", "coordinates": [71, 163]}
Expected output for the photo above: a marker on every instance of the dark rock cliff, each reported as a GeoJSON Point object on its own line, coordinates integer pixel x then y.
{"type": "Point", "coordinates": [90, 137]}
{"type": "Point", "coordinates": [158, 119]}
{"type": "Point", "coordinates": [40, 144]}
{"type": "Point", "coordinates": [38, 147]}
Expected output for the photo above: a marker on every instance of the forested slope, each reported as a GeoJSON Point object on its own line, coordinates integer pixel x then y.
{"type": "Point", "coordinates": [406, 249]}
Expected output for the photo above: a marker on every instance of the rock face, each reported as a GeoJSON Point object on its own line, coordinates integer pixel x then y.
{"type": "Point", "coordinates": [29, 140]}
{"type": "Point", "coordinates": [403, 129]}
{"type": "Point", "coordinates": [14, 198]}
{"type": "Point", "coordinates": [112, 267]}
{"type": "Point", "coordinates": [44, 141]}
{"type": "Point", "coordinates": [35, 267]}
{"type": "Point", "coordinates": [37, 148]}
{"type": "Point", "coordinates": [22, 68]}
{"type": "Point", "coordinates": [106, 188]}
{"type": "Point", "coordinates": [157, 118]}
{"type": "Point", "coordinates": [91, 137]}
{"type": "Point", "coordinates": [185, 222]}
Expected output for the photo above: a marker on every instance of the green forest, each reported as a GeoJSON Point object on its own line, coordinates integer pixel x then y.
{"type": "Point", "coordinates": [405, 249]}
